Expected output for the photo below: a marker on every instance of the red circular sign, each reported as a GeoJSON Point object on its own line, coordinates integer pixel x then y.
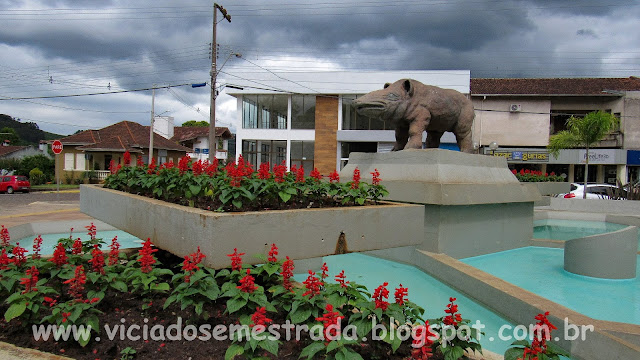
{"type": "Point", "coordinates": [56, 147]}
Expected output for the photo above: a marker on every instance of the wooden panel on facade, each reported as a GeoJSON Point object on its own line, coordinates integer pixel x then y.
{"type": "Point", "coordinates": [326, 143]}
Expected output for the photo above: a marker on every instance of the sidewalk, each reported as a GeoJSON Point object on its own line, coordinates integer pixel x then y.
{"type": "Point", "coordinates": [44, 211]}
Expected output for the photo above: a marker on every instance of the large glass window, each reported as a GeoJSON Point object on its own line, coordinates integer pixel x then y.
{"type": "Point", "coordinates": [351, 120]}
{"type": "Point", "coordinates": [272, 151]}
{"type": "Point", "coordinates": [303, 111]}
{"type": "Point", "coordinates": [264, 111]}
{"type": "Point", "coordinates": [302, 155]}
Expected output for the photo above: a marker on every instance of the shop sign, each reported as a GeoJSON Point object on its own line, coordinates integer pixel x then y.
{"type": "Point", "coordinates": [598, 156]}
{"type": "Point", "coordinates": [523, 156]}
{"type": "Point", "coordinates": [633, 157]}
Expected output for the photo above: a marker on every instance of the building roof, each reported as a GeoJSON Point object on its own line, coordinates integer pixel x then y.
{"type": "Point", "coordinates": [557, 86]}
{"type": "Point", "coordinates": [9, 149]}
{"type": "Point", "coordinates": [184, 133]}
{"type": "Point", "coordinates": [123, 136]}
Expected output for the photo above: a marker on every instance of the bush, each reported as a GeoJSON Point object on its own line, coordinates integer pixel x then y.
{"type": "Point", "coordinates": [36, 177]}
{"type": "Point", "coordinates": [43, 163]}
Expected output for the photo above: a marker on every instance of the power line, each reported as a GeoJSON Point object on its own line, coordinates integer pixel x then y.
{"type": "Point", "coordinates": [91, 94]}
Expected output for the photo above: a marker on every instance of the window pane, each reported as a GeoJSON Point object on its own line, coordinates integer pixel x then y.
{"type": "Point", "coordinates": [303, 111]}
{"type": "Point", "coordinates": [249, 111]}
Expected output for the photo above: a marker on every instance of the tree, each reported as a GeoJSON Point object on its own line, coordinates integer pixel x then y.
{"type": "Point", "coordinates": [194, 123]}
{"type": "Point", "coordinates": [583, 132]}
{"type": "Point", "coordinates": [7, 133]}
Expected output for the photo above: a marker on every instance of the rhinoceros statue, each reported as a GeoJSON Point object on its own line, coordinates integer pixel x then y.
{"type": "Point", "coordinates": [415, 107]}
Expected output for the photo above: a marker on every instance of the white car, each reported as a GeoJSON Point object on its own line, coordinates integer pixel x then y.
{"type": "Point", "coordinates": [594, 191]}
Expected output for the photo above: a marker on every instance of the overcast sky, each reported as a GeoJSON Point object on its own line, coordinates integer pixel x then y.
{"type": "Point", "coordinates": [53, 48]}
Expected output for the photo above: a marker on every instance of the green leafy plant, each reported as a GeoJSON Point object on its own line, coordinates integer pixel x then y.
{"type": "Point", "coordinates": [540, 348]}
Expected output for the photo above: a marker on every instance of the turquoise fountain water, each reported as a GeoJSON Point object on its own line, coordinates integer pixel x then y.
{"type": "Point", "coordinates": [424, 290]}
{"type": "Point", "coordinates": [541, 271]}
{"type": "Point", "coordinates": [49, 241]}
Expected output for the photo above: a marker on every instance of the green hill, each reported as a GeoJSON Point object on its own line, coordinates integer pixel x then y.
{"type": "Point", "coordinates": [29, 132]}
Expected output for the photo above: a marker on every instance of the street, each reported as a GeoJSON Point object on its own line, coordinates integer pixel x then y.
{"type": "Point", "coordinates": [17, 200]}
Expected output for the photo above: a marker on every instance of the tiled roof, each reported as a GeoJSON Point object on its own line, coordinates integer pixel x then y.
{"type": "Point", "coordinates": [125, 135]}
{"type": "Point", "coordinates": [184, 133]}
{"type": "Point", "coordinates": [557, 86]}
{"type": "Point", "coordinates": [6, 150]}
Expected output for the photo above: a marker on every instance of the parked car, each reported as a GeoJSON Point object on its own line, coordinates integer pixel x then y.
{"type": "Point", "coordinates": [594, 191]}
{"type": "Point", "coordinates": [12, 183]}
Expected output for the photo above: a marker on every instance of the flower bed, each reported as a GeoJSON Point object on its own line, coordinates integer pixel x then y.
{"type": "Point", "coordinates": [526, 175]}
{"type": "Point", "coordinates": [238, 187]}
{"type": "Point", "coordinates": [132, 303]}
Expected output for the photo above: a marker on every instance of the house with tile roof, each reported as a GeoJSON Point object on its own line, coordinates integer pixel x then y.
{"type": "Point", "coordinates": [519, 116]}
{"type": "Point", "coordinates": [197, 139]}
{"type": "Point", "coordinates": [20, 152]}
{"type": "Point", "coordinates": [93, 150]}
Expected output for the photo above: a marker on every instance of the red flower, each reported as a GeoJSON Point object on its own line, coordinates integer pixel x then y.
{"type": "Point", "coordinates": [247, 283]}
{"type": "Point", "coordinates": [287, 273]}
{"type": "Point", "coordinates": [552, 173]}
{"type": "Point", "coordinates": [197, 167]}
{"type": "Point", "coordinates": [325, 272]}
{"type": "Point", "coordinates": [30, 281]}
{"type": "Point", "coordinates": [97, 259]}
{"type": "Point", "coordinates": [65, 315]}
{"type": "Point", "coordinates": [51, 301]}
{"type": "Point", "coordinates": [5, 260]}
{"type": "Point", "coordinates": [190, 264]}
{"type": "Point", "coordinates": [263, 172]}
{"type": "Point", "coordinates": [300, 175]}
{"type": "Point", "coordinates": [340, 278]}
{"type": "Point", "coordinates": [375, 180]}
{"type": "Point", "coordinates": [19, 257]}
{"type": "Point", "coordinates": [211, 169]}
{"type": "Point", "coordinates": [114, 253]}
{"type": "Point", "coordinates": [400, 294]}
{"type": "Point", "coordinates": [37, 245]}
{"type": "Point", "coordinates": [113, 168]}
{"type": "Point", "coordinates": [77, 247]}
{"type": "Point", "coordinates": [514, 171]}
{"type": "Point", "coordinates": [146, 258]}
{"type": "Point", "coordinates": [279, 172]}
{"type": "Point", "coordinates": [316, 174]}
{"type": "Point", "coordinates": [294, 169]}
{"type": "Point", "coordinates": [356, 179]}
{"type": "Point", "coordinates": [77, 282]}
{"type": "Point", "coordinates": [542, 334]}
{"type": "Point", "coordinates": [527, 171]}
{"type": "Point", "coordinates": [334, 177]}
{"type": "Point", "coordinates": [91, 231]}
{"type": "Point", "coordinates": [183, 164]}
{"type": "Point", "coordinates": [235, 175]}
{"type": "Point", "coordinates": [152, 166]}
{"type": "Point", "coordinates": [59, 255]}
{"type": "Point", "coordinates": [328, 319]}
{"type": "Point", "coordinates": [245, 168]}
{"type": "Point", "coordinates": [379, 295]}
{"type": "Point", "coordinates": [272, 253]}
{"type": "Point", "coordinates": [4, 235]}
{"type": "Point", "coordinates": [127, 158]}
{"type": "Point", "coordinates": [169, 165]}
{"type": "Point", "coordinates": [422, 342]}
{"type": "Point", "coordinates": [312, 284]}
{"type": "Point", "coordinates": [139, 162]}
{"type": "Point", "coordinates": [453, 318]}
{"type": "Point", "coordinates": [259, 318]}
{"type": "Point", "coordinates": [236, 260]}
{"type": "Point", "coordinates": [521, 171]}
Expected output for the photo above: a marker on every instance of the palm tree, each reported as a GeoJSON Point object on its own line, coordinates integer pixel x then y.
{"type": "Point", "coordinates": [583, 132]}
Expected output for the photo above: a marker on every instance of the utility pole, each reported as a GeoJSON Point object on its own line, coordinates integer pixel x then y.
{"type": "Point", "coordinates": [153, 115]}
{"type": "Point", "coordinates": [212, 112]}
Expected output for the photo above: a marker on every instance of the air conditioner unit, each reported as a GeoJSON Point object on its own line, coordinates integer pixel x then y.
{"type": "Point", "coordinates": [515, 108]}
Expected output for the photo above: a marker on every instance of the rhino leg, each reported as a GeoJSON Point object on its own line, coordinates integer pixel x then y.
{"type": "Point", "coordinates": [433, 139]}
{"type": "Point", "coordinates": [464, 142]}
{"type": "Point", "coordinates": [416, 128]}
{"type": "Point", "coordinates": [402, 136]}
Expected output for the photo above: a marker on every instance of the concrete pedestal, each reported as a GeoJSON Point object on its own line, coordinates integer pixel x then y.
{"type": "Point", "coordinates": [474, 205]}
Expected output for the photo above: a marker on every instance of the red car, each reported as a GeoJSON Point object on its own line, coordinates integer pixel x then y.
{"type": "Point", "coordinates": [12, 183]}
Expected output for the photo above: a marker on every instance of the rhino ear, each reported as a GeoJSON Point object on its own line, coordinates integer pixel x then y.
{"type": "Point", "coordinates": [386, 85]}
{"type": "Point", "coordinates": [408, 87]}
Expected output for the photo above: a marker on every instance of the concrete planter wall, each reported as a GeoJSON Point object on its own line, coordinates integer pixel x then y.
{"type": "Point", "coordinates": [605, 206]}
{"type": "Point", "coordinates": [552, 188]}
{"type": "Point", "coordinates": [300, 234]}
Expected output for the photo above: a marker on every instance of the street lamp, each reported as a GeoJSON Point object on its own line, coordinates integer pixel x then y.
{"type": "Point", "coordinates": [493, 146]}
